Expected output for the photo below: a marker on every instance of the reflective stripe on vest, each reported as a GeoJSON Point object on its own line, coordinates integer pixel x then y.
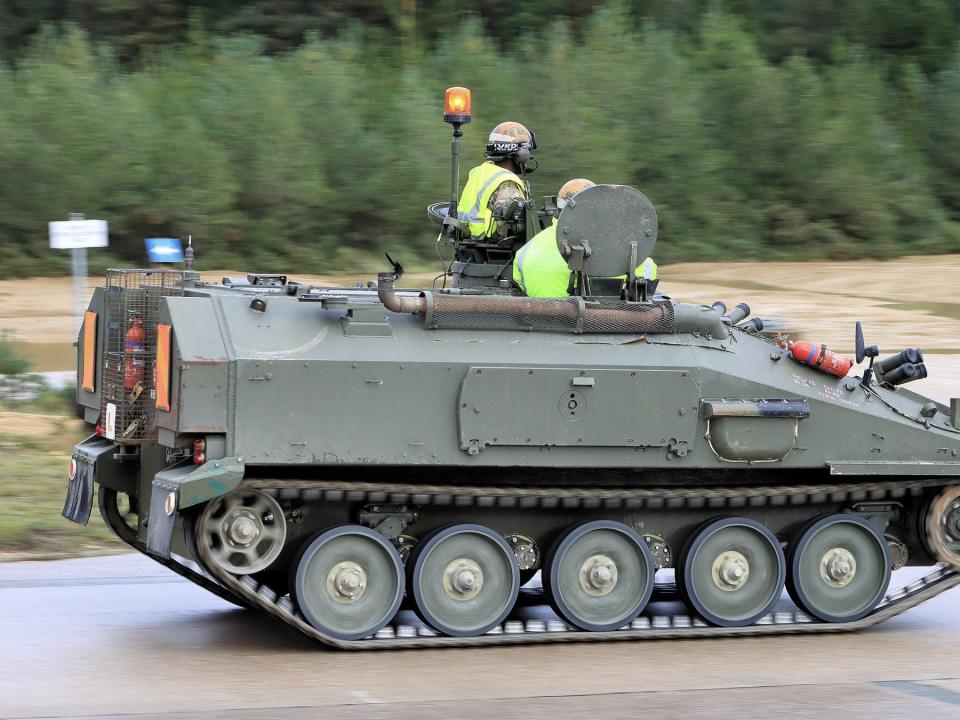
{"type": "Point", "coordinates": [474, 205]}
{"type": "Point", "coordinates": [518, 266]}
{"type": "Point", "coordinates": [646, 270]}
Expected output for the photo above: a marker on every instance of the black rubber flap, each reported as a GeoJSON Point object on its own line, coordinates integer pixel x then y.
{"type": "Point", "coordinates": [79, 502]}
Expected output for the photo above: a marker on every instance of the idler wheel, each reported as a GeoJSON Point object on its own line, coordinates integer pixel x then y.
{"type": "Point", "coordinates": [943, 526]}
{"type": "Point", "coordinates": [599, 575]}
{"type": "Point", "coordinates": [840, 567]}
{"type": "Point", "coordinates": [244, 530]}
{"type": "Point", "coordinates": [731, 571]}
{"type": "Point", "coordinates": [464, 579]}
{"type": "Point", "coordinates": [348, 581]}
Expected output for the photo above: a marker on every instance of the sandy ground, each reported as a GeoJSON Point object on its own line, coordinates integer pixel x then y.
{"type": "Point", "coordinates": [37, 425]}
{"type": "Point", "coordinates": [907, 302]}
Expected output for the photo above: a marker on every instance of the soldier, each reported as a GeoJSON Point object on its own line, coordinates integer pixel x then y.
{"type": "Point", "coordinates": [494, 184]}
{"type": "Point", "coordinates": [538, 267]}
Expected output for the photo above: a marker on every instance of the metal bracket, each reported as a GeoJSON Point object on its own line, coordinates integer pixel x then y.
{"type": "Point", "coordinates": [266, 280]}
{"type": "Point", "coordinates": [879, 514]}
{"type": "Point", "coordinates": [389, 520]}
{"type": "Point", "coordinates": [678, 448]}
{"type": "Point", "coordinates": [366, 322]}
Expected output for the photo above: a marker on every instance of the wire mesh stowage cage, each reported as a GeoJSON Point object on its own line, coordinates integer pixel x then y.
{"type": "Point", "coordinates": [128, 411]}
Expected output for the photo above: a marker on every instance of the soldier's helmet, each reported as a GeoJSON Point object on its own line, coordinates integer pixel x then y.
{"type": "Point", "coordinates": [571, 188]}
{"type": "Point", "coordinates": [507, 139]}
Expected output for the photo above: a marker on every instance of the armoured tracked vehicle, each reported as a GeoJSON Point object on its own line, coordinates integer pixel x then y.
{"type": "Point", "coordinates": [383, 468]}
{"type": "Point", "coordinates": [379, 467]}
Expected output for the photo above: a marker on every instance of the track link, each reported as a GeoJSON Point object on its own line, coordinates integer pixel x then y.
{"type": "Point", "coordinates": [185, 569]}
{"type": "Point", "coordinates": [399, 635]}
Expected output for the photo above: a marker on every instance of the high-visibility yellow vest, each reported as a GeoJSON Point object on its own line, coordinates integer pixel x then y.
{"type": "Point", "coordinates": [540, 270]}
{"type": "Point", "coordinates": [474, 205]}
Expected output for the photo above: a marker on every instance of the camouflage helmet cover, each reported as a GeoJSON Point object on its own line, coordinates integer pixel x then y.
{"type": "Point", "coordinates": [506, 140]}
{"type": "Point", "coordinates": [571, 188]}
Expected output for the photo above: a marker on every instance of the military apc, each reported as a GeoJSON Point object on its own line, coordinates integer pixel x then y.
{"type": "Point", "coordinates": [379, 467]}
{"type": "Point", "coordinates": [388, 468]}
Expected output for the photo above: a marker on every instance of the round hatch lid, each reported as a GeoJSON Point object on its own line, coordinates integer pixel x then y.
{"type": "Point", "coordinates": [608, 218]}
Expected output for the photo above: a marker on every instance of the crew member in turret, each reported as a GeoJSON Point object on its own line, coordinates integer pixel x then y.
{"type": "Point", "coordinates": [539, 268]}
{"type": "Point", "coordinates": [496, 183]}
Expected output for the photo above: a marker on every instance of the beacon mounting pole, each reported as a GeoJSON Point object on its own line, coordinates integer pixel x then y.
{"type": "Point", "coordinates": [455, 169]}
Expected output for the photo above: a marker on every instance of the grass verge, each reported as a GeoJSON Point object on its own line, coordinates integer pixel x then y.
{"type": "Point", "coordinates": [34, 453]}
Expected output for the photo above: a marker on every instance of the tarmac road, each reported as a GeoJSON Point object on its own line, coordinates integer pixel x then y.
{"type": "Point", "coordinates": [119, 636]}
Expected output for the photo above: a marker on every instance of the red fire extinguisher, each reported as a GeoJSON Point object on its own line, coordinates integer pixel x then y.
{"type": "Point", "coordinates": [133, 351]}
{"type": "Point", "coordinates": [819, 358]}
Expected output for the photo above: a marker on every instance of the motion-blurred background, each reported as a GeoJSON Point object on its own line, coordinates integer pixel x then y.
{"type": "Point", "coordinates": [306, 137]}
{"type": "Point", "coordinates": [803, 156]}
{"type": "Point", "coordinates": [308, 132]}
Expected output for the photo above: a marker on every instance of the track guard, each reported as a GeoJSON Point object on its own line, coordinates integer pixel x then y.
{"type": "Point", "coordinates": [183, 486]}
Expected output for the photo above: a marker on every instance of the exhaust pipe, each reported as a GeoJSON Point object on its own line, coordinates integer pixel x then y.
{"type": "Point", "coordinates": [888, 364]}
{"type": "Point", "coordinates": [908, 372]}
{"type": "Point", "coordinates": [752, 326]}
{"type": "Point", "coordinates": [737, 315]}
{"type": "Point", "coordinates": [398, 303]}
{"type": "Point", "coordinates": [570, 314]}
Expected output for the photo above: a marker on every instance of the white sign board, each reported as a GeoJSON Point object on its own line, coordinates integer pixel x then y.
{"type": "Point", "coordinates": [73, 234]}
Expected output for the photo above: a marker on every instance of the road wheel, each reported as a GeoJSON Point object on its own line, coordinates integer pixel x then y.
{"type": "Point", "coordinates": [348, 581]}
{"type": "Point", "coordinates": [599, 575]}
{"type": "Point", "coordinates": [840, 568]}
{"type": "Point", "coordinates": [731, 571]}
{"type": "Point", "coordinates": [464, 579]}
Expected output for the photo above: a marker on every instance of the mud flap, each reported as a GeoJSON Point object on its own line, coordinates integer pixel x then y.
{"type": "Point", "coordinates": [83, 465]}
{"type": "Point", "coordinates": [162, 518]}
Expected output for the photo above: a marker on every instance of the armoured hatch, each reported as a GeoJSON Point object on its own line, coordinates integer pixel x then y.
{"type": "Point", "coordinates": [568, 406]}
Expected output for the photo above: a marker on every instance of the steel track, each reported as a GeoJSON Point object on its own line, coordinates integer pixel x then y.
{"type": "Point", "coordinates": [245, 590]}
{"type": "Point", "coordinates": [192, 572]}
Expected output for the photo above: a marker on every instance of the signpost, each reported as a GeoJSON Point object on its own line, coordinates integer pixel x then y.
{"type": "Point", "coordinates": [77, 234]}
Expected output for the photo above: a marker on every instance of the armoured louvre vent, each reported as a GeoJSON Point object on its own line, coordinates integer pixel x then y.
{"type": "Point", "coordinates": [128, 411]}
{"type": "Point", "coordinates": [570, 314]}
